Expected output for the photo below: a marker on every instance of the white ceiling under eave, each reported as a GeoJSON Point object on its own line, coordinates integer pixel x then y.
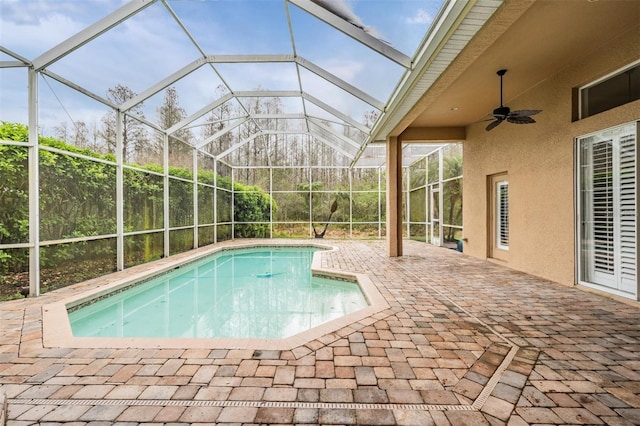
{"type": "Point", "coordinates": [534, 40]}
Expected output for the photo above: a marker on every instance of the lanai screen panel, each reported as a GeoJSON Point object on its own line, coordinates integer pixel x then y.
{"type": "Point", "coordinates": [287, 91]}
{"type": "Point", "coordinates": [235, 27]}
{"type": "Point", "coordinates": [132, 54]}
{"type": "Point", "coordinates": [343, 59]}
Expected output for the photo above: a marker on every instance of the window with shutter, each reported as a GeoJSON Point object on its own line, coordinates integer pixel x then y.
{"type": "Point", "coordinates": [498, 237]}
{"type": "Point", "coordinates": [502, 215]}
{"type": "Point", "coordinates": [608, 197]}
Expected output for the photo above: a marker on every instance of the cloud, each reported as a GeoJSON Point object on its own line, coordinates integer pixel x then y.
{"type": "Point", "coordinates": [31, 39]}
{"type": "Point", "coordinates": [31, 12]}
{"type": "Point", "coordinates": [347, 69]}
{"type": "Point", "coordinates": [421, 17]}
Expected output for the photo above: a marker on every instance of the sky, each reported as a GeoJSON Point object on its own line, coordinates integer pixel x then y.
{"type": "Point", "coordinates": [151, 46]}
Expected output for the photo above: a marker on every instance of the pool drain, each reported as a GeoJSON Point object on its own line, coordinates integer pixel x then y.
{"type": "Point", "coordinates": [254, 404]}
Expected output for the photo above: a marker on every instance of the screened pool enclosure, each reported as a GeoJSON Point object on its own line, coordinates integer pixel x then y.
{"type": "Point", "coordinates": [139, 132]}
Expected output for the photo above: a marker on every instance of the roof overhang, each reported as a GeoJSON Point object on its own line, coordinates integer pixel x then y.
{"type": "Point", "coordinates": [531, 39]}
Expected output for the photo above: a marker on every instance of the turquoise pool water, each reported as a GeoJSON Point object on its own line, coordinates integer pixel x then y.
{"type": "Point", "coordinates": [240, 293]}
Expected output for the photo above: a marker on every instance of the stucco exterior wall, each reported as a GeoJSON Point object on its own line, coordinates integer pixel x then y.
{"type": "Point", "coordinates": [539, 161]}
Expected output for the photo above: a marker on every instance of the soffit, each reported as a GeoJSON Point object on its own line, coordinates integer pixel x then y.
{"type": "Point", "coordinates": [534, 40]}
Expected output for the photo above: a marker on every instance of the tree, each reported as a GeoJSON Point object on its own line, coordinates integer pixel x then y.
{"type": "Point", "coordinates": [370, 118]}
{"type": "Point", "coordinates": [217, 120]}
{"type": "Point", "coordinates": [78, 136]}
{"type": "Point", "coordinates": [169, 114]}
{"type": "Point", "coordinates": [61, 131]}
{"type": "Point", "coordinates": [134, 135]}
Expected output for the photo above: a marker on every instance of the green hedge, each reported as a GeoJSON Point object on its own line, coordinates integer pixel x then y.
{"type": "Point", "coordinates": [78, 199]}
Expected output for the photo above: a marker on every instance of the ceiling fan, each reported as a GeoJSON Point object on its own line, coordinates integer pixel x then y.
{"type": "Point", "coordinates": [503, 113]}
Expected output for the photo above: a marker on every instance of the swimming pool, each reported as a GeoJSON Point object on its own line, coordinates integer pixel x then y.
{"type": "Point", "coordinates": [262, 292]}
{"type": "Point", "coordinates": [57, 331]}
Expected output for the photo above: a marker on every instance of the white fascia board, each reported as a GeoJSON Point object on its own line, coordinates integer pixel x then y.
{"type": "Point", "coordinates": [328, 108]}
{"type": "Point", "coordinates": [445, 26]}
{"type": "Point", "coordinates": [267, 94]}
{"type": "Point", "coordinates": [328, 129]}
{"type": "Point", "coordinates": [14, 55]}
{"type": "Point", "coordinates": [86, 35]}
{"type": "Point", "coordinates": [440, 31]}
{"type": "Point", "coordinates": [353, 32]}
{"type": "Point", "coordinates": [222, 132]}
{"type": "Point", "coordinates": [168, 81]}
{"type": "Point", "coordinates": [202, 111]}
{"type": "Point", "coordinates": [240, 59]}
{"type": "Point", "coordinates": [451, 15]}
{"type": "Point", "coordinates": [349, 88]}
{"type": "Point", "coordinates": [79, 89]}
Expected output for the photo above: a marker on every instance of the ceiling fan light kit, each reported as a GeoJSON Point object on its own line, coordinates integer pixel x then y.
{"type": "Point", "coordinates": [503, 113]}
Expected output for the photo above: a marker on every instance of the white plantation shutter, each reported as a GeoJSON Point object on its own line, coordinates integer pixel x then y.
{"type": "Point", "coordinates": [628, 213]}
{"type": "Point", "coordinates": [608, 208]}
{"type": "Point", "coordinates": [602, 207]}
{"type": "Point", "coordinates": [502, 215]}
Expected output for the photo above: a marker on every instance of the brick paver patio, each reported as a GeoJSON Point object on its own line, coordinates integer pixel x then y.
{"type": "Point", "coordinates": [464, 342]}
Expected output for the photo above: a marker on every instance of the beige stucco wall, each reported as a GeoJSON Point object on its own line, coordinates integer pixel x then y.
{"type": "Point", "coordinates": [539, 161]}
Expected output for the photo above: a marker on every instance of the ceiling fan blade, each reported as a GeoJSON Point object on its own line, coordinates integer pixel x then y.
{"type": "Point", "coordinates": [521, 120]}
{"type": "Point", "coordinates": [503, 113]}
{"type": "Point", "coordinates": [493, 125]}
{"type": "Point", "coordinates": [525, 112]}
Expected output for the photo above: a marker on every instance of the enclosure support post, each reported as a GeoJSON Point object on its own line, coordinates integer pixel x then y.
{"type": "Point", "coordinates": [34, 187]}
{"type": "Point", "coordinates": [195, 199]}
{"type": "Point", "coordinates": [379, 202]}
{"type": "Point", "coordinates": [394, 197]}
{"type": "Point", "coordinates": [215, 200]}
{"type": "Point", "coordinates": [441, 195]}
{"type": "Point", "coordinates": [310, 230]}
{"type": "Point", "coordinates": [233, 204]}
{"type": "Point", "coordinates": [271, 200]}
{"type": "Point", "coordinates": [407, 214]}
{"type": "Point", "coordinates": [350, 173]}
{"type": "Point", "coordinates": [165, 163]}
{"type": "Point", "coordinates": [119, 193]}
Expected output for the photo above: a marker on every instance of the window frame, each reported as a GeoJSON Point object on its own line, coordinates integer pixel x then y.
{"type": "Point", "coordinates": [582, 89]}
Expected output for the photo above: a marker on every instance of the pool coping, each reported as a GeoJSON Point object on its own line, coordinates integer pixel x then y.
{"type": "Point", "coordinates": [56, 328]}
